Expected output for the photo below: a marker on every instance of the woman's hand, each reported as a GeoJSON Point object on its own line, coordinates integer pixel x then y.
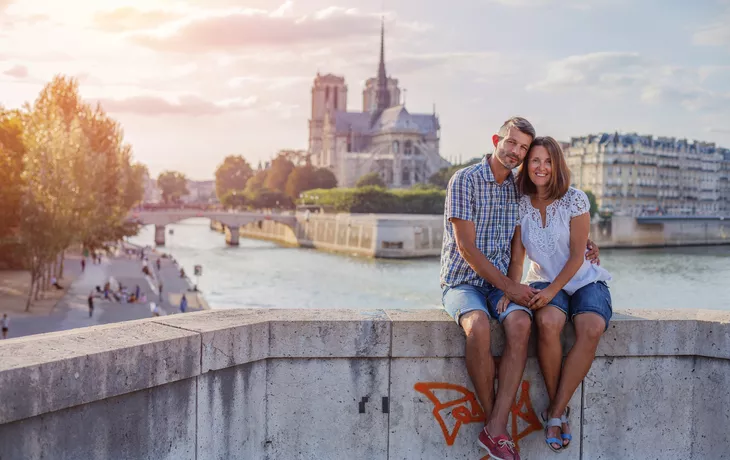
{"type": "Point", "coordinates": [503, 304]}
{"type": "Point", "coordinates": [541, 299]}
{"type": "Point", "coordinates": [592, 254]}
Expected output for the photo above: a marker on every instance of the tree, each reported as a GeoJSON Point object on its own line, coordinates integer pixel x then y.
{"type": "Point", "coordinates": [269, 199]}
{"type": "Point", "coordinates": [12, 152]}
{"type": "Point", "coordinates": [173, 185]}
{"type": "Point", "coordinates": [256, 182]}
{"type": "Point", "coordinates": [234, 199]}
{"type": "Point", "coordinates": [324, 178]}
{"type": "Point", "coordinates": [278, 174]}
{"type": "Point", "coordinates": [592, 201]}
{"type": "Point", "coordinates": [232, 174]}
{"type": "Point", "coordinates": [370, 179]}
{"type": "Point", "coordinates": [442, 177]}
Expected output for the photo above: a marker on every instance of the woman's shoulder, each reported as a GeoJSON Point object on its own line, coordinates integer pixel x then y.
{"type": "Point", "coordinates": [576, 201]}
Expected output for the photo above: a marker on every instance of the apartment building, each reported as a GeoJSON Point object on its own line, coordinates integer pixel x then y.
{"type": "Point", "coordinates": [633, 174]}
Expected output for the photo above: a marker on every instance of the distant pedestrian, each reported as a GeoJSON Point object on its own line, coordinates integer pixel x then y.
{"type": "Point", "coordinates": [155, 309]}
{"type": "Point", "coordinates": [183, 304]}
{"type": "Point", "coordinates": [91, 303]}
{"type": "Point", "coordinates": [83, 265]}
{"type": "Point", "coordinates": [137, 292]}
{"type": "Point", "coordinates": [54, 283]}
{"type": "Point", "coordinates": [159, 264]}
{"type": "Point", "coordinates": [5, 324]}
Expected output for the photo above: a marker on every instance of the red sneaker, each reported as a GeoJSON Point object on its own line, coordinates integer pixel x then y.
{"type": "Point", "coordinates": [499, 447]}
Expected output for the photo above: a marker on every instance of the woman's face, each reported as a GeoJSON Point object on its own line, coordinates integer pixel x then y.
{"type": "Point", "coordinates": [539, 167]}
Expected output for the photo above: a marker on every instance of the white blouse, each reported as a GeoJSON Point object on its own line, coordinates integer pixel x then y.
{"type": "Point", "coordinates": [548, 248]}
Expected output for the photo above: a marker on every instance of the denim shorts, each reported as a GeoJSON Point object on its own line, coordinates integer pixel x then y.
{"type": "Point", "coordinates": [463, 298]}
{"type": "Point", "coordinates": [591, 298]}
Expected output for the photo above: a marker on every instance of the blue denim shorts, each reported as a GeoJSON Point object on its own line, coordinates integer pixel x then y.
{"type": "Point", "coordinates": [591, 298]}
{"type": "Point", "coordinates": [463, 298]}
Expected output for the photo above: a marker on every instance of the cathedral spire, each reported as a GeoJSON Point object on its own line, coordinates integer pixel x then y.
{"type": "Point", "coordinates": [383, 95]}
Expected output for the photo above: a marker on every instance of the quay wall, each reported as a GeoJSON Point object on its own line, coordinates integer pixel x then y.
{"type": "Point", "coordinates": [408, 236]}
{"type": "Point", "coordinates": [349, 384]}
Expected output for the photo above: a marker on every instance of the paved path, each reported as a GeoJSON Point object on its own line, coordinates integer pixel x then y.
{"type": "Point", "coordinates": [72, 310]}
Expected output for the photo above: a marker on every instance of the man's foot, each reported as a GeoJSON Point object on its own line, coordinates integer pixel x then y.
{"type": "Point", "coordinates": [498, 447]}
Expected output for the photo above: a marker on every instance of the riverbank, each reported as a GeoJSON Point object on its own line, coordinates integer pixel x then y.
{"type": "Point", "coordinates": [68, 309]}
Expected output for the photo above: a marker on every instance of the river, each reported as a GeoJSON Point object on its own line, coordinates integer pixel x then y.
{"type": "Point", "coordinates": [263, 274]}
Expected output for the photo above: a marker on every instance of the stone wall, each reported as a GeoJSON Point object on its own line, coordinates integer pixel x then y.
{"type": "Point", "coordinates": [348, 384]}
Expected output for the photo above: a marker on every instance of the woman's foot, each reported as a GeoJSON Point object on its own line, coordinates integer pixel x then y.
{"type": "Point", "coordinates": [562, 432]}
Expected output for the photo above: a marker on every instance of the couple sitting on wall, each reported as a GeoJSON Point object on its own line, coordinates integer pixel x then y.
{"type": "Point", "coordinates": [492, 220]}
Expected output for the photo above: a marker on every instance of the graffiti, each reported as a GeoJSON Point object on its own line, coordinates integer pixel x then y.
{"type": "Point", "coordinates": [462, 406]}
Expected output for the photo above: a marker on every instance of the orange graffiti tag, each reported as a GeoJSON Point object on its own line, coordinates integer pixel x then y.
{"type": "Point", "coordinates": [466, 409]}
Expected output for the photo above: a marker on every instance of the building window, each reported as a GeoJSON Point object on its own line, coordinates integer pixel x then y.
{"type": "Point", "coordinates": [408, 148]}
{"type": "Point", "coordinates": [335, 99]}
{"type": "Point", "coordinates": [327, 93]}
{"type": "Point", "coordinates": [406, 176]}
{"type": "Point", "coordinates": [396, 145]}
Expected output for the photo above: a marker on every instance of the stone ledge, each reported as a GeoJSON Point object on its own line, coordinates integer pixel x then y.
{"type": "Point", "coordinates": [48, 372]}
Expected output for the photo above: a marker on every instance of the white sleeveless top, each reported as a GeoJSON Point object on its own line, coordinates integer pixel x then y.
{"type": "Point", "coordinates": [548, 248]}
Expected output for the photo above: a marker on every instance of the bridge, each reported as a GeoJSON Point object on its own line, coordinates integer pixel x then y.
{"type": "Point", "coordinates": [233, 221]}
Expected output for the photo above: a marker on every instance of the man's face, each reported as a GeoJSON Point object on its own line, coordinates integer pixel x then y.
{"type": "Point", "coordinates": [512, 148]}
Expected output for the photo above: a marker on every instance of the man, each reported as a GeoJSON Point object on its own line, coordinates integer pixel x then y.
{"type": "Point", "coordinates": [480, 215]}
{"type": "Point", "coordinates": [5, 325]}
{"type": "Point", "coordinates": [90, 299]}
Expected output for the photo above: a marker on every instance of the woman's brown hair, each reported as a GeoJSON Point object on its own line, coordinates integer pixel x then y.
{"type": "Point", "coordinates": [560, 177]}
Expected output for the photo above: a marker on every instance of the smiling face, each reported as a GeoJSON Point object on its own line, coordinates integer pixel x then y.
{"type": "Point", "coordinates": [540, 167]}
{"type": "Point", "coordinates": [511, 149]}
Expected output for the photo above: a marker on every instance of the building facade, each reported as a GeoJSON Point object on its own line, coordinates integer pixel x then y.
{"type": "Point", "coordinates": [402, 147]}
{"type": "Point", "coordinates": [632, 174]}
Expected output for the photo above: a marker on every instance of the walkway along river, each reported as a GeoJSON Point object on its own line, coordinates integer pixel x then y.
{"type": "Point", "coordinates": [264, 274]}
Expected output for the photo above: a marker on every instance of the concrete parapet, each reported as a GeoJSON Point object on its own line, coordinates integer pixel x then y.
{"type": "Point", "coordinates": [333, 384]}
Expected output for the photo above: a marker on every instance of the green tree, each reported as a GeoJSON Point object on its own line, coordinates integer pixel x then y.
{"type": "Point", "coordinates": [270, 199]}
{"type": "Point", "coordinates": [232, 174]}
{"type": "Point", "coordinates": [235, 199]}
{"type": "Point", "coordinates": [256, 182]}
{"type": "Point", "coordinates": [173, 186]}
{"type": "Point", "coordinates": [442, 177]}
{"type": "Point", "coordinates": [592, 201]}
{"type": "Point", "coordinates": [370, 179]}
{"type": "Point", "coordinates": [278, 174]}
{"type": "Point", "coordinates": [324, 179]}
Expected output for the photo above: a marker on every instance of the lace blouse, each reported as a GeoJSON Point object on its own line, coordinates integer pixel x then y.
{"type": "Point", "coordinates": [548, 248]}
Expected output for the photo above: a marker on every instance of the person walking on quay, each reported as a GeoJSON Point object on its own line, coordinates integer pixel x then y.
{"type": "Point", "coordinates": [5, 325]}
{"type": "Point", "coordinates": [183, 304]}
{"type": "Point", "coordinates": [159, 264]}
{"type": "Point", "coordinates": [480, 215]}
{"type": "Point", "coordinates": [554, 220]}
{"type": "Point", "coordinates": [83, 264]}
{"type": "Point", "coordinates": [54, 283]}
{"type": "Point", "coordinates": [91, 303]}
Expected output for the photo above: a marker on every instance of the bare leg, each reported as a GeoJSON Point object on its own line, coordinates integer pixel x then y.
{"type": "Point", "coordinates": [589, 328]}
{"type": "Point", "coordinates": [517, 327]}
{"type": "Point", "coordinates": [550, 322]}
{"type": "Point", "coordinates": [479, 361]}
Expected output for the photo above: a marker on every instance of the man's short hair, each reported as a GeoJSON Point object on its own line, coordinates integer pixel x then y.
{"type": "Point", "coordinates": [517, 122]}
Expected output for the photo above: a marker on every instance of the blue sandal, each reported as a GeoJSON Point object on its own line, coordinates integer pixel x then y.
{"type": "Point", "coordinates": [565, 436]}
{"type": "Point", "coordinates": [554, 422]}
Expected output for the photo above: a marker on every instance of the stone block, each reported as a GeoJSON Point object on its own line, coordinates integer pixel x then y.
{"type": "Point", "coordinates": [710, 402]}
{"type": "Point", "coordinates": [328, 333]}
{"type": "Point", "coordinates": [49, 372]}
{"type": "Point", "coordinates": [644, 337]}
{"type": "Point", "coordinates": [327, 409]}
{"type": "Point", "coordinates": [713, 338]}
{"type": "Point", "coordinates": [435, 414]}
{"type": "Point", "coordinates": [232, 412]}
{"type": "Point", "coordinates": [229, 337]}
{"type": "Point", "coordinates": [639, 407]}
{"type": "Point", "coordinates": [157, 423]}
{"type": "Point", "coordinates": [425, 333]}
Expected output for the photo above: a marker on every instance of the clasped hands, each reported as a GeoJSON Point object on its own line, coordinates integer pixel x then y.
{"type": "Point", "coordinates": [522, 294]}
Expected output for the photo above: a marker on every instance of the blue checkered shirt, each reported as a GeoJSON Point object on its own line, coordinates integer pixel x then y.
{"type": "Point", "coordinates": [473, 194]}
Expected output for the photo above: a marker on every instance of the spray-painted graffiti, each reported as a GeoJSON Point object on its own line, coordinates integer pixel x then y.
{"type": "Point", "coordinates": [462, 405]}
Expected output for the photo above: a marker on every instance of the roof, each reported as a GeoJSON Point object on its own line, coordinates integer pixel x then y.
{"type": "Point", "coordinates": [397, 118]}
{"type": "Point", "coordinates": [358, 122]}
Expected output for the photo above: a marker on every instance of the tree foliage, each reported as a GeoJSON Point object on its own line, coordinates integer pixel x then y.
{"type": "Point", "coordinates": [66, 178]}
{"type": "Point", "coordinates": [307, 177]}
{"type": "Point", "coordinates": [442, 177]}
{"type": "Point", "coordinates": [234, 199]}
{"type": "Point", "coordinates": [592, 201]}
{"type": "Point", "coordinates": [232, 174]}
{"type": "Point", "coordinates": [373, 199]}
{"type": "Point", "coordinates": [278, 174]}
{"type": "Point", "coordinates": [256, 182]}
{"type": "Point", "coordinates": [371, 179]}
{"type": "Point", "coordinates": [173, 185]}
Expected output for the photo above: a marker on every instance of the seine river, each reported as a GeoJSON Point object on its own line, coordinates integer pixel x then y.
{"type": "Point", "coordinates": [263, 274]}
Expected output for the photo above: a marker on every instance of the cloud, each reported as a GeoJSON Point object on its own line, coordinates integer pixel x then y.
{"type": "Point", "coordinates": [128, 18]}
{"type": "Point", "coordinates": [713, 129]}
{"type": "Point", "coordinates": [573, 4]}
{"type": "Point", "coordinates": [18, 71]}
{"type": "Point", "coordinates": [248, 29]}
{"type": "Point", "coordinates": [716, 34]}
{"type": "Point", "coordinates": [603, 70]}
{"type": "Point", "coordinates": [186, 105]}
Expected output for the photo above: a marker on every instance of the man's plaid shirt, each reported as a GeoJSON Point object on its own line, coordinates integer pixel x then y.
{"type": "Point", "coordinates": [473, 194]}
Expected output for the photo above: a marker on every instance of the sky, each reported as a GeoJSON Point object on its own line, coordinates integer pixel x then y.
{"type": "Point", "coordinates": [194, 81]}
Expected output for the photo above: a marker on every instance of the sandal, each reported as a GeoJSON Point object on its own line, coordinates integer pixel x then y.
{"type": "Point", "coordinates": [553, 422]}
{"type": "Point", "coordinates": [564, 420]}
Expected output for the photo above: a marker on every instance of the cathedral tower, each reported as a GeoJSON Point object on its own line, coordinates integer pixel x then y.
{"type": "Point", "coordinates": [329, 94]}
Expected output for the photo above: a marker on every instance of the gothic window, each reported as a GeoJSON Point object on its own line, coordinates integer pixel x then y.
{"type": "Point", "coordinates": [335, 91]}
{"type": "Point", "coordinates": [327, 93]}
{"type": "Point", "coordinates": [396, 146]}
{"type": "Point", "coordinates": [408, 148]}
{"type": "Point", "coordinates": [406, 176]}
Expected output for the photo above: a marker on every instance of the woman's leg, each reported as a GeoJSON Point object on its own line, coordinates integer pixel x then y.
{"type": "Point", "coordinates": [550, 321]}
{"type": "Point", "coordinates": [589, 328]}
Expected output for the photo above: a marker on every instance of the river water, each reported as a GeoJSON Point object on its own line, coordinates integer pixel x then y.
{"type": "Point", "coordinates": [263, 274]}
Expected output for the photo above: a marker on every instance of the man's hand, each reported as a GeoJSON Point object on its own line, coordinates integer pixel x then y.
{"type": "Point", "coordinates": [521, 294]}
{"type": "Point", "coordinates": [592, 254]}
{"type": "Point", "coordinates": [541, 299]}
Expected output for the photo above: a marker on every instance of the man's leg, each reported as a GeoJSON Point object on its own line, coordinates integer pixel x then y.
{"type": "Point", "coordinates": [479, 361]}
{"type": "Point", "coordinates": [517, 327]}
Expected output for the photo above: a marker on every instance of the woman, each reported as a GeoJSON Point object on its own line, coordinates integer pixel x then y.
{"type": "Point", "coordinates": [554, 221]}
